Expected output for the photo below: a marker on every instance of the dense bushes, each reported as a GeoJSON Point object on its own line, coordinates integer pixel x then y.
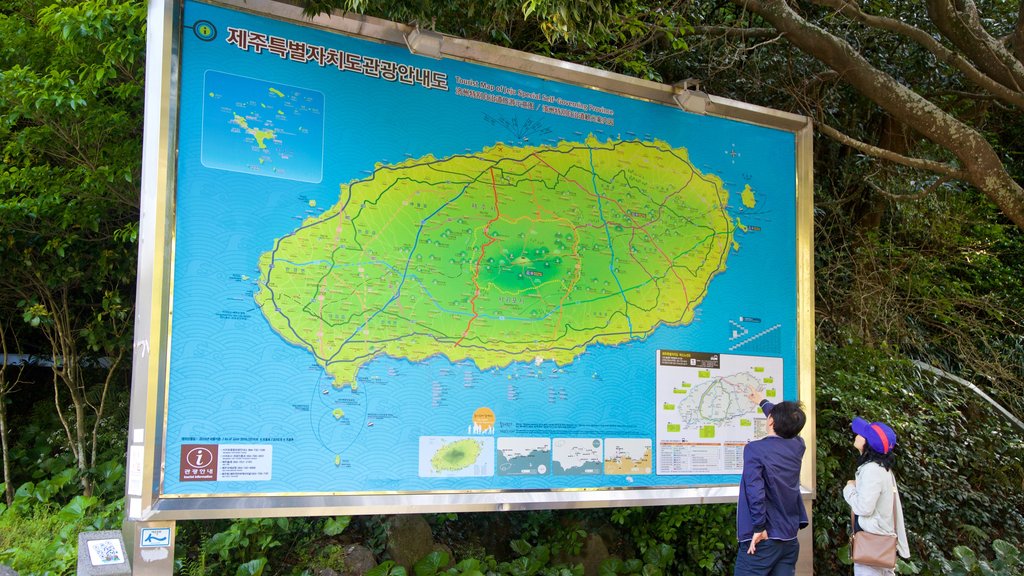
{"type": "Point", "coordinates": [960, 463]}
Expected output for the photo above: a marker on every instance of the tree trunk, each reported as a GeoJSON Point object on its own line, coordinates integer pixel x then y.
{"type": "Point", "coordinates": [8, 481]}
{"type": "Point", "coordinates": [81, 440]}
{"type": "Point", "coordinates": [977, 158]}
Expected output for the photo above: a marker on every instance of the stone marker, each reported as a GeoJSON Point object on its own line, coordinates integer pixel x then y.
{"type": "Point", "coordinates": [102, 554]}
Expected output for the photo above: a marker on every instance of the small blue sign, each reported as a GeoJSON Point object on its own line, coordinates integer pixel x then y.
{"type": "Point", "coordinates": [155, 537]}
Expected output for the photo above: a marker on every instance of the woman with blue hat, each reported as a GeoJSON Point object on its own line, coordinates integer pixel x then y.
{"type": "Point", "coordinates": [873, 497]}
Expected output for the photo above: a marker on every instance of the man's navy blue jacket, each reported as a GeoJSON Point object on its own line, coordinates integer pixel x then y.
{"type": "Point", "coordinates": [770, 487]}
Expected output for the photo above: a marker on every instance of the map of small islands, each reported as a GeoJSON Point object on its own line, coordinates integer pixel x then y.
{"type": "Point", "coordinates": [262, 128]}
{"type": "Point", "coordinates": [509, 254]}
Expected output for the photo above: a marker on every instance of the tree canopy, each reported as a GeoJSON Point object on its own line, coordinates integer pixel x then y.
{"type": "Point", "coordinates": [70, 144]}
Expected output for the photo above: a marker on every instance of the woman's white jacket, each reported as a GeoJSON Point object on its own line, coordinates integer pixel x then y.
{"type": "Point", "coordinates": [872, 498]}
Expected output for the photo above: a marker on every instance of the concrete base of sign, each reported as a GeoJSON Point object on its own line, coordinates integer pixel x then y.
{"type": "Point", "coordinates": [151, 546]}
{"type": "Point", "coordinates": [102, 553]}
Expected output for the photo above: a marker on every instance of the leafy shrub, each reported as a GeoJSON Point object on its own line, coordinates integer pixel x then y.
{"type": "Point", "coordinates": [38, 536]}
{"type": "Point", "coordinates": [959, 463]}
{"type": "Point", "coordinates": [703, 538]}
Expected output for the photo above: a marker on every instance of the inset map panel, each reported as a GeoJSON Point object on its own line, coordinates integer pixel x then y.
{"type": "Point", "coordinates": [455, 456]}
{"type": "Point", "coordinates": [524, 456]}
{"type": "Point", "coordinates": [708, 408]}
{"type": "Point", "coordinates": [628, 456]}
{"type": "Point", "coordinates": [262, 128]}
{"type": "Point", "coordinates": [577, 456]}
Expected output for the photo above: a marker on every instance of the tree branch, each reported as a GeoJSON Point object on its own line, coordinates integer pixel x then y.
{"type": "Point", "coordinates": [941, 53]}
{"type": "Point", "coordinates": [901, 197]}
{"type": "Point", "coordinates": [982, 166]}
{"type": "Point", "coordinates": [111, 370]}
{"type": "Point", "coordinates": [1015, 41]}
{"type": "Point", "coordinates": [734, 33]}
{"type": "Point", "coordinates": [946, 170]}
{"type": "Point", "coordinates": [961, 25]}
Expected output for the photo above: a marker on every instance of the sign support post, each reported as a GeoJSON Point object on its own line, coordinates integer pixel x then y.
{"type": "Point", "coordinates": [151, 545]}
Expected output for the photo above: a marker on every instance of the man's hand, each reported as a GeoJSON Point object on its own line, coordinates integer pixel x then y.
{"type": "Point", "coordinates": [759, 537]}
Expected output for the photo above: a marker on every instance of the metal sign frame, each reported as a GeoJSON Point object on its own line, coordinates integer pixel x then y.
{"type": "Point", "coordinates": [156, 253]}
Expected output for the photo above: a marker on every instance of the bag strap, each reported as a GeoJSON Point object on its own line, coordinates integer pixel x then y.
{"type": "Point", "coordinates": [894, 490]}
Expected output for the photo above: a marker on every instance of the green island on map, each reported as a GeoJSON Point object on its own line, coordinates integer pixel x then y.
{"type": "Point", "coordinates": [456, 456]}
{"type": "Point", "coordinates": [260, 135]}
{"type": "Point", "coordinates": [509, 254]}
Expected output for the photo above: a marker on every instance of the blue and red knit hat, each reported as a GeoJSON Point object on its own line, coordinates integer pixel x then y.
{"type": "Point", "coordinates": [879, 435]}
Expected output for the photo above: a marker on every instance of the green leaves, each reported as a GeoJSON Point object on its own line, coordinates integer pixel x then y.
{"type": "Point", "coordinates": [1007, 562]}
{"type": "Point", "coordinates": [70, 127]}
{"type": "Point", "coordinates": [387, 568]}
{"type": "Point", "coordinates": [76, 510]}
{"type": "Point", "coordinates": [336, 525]}
{"type": "Point", "coordinates": [430, 564]}
{"type": "Point", "coordinates": [962, 493]}
{"type": "Point", "coordinates": [252, 567]}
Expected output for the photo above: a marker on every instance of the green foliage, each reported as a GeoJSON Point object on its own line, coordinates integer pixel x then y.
{"type": "Point", "coordinates": [387, 568]}
{"type": "Point", "coordinates": [28, 545]}
{"type": "Point", "coordinates": [657, 561]}
{"type": "Point", "coordinates": [563, 537]}
{"type": "Point", "coordinates": [70, 121]}
{"type": "Point", "coordinates": [376, 529]}
{"type": "Point", "coordinates": [216, 547]}
{"type": "Point", "coordinates": [430, 564]}
{"type": "Point", "coordinates": [1007, 561]}
{"type": "Point", "coordinates": [946, 485]}
{"type": "Point", "coordinates": [39, 535]}
{"type": "Point", "coordinates": [702, 539]}
{"type": "Point", "coordinates": [611, 35]}
{"type": "Point", "coordinates": [247, 539]}
{"type": "Point", "coordinates": [252, 568]}
{"type": "Point", "coordinates": [336, 525]}
{"type": "Point", "coordinates": [532, 559]}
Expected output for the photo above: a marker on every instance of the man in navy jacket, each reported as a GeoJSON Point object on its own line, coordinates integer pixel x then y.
{"type": "Point", "coordinates": [770, 510]}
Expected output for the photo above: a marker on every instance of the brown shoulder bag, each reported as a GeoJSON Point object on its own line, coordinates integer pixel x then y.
{"type": "Point", "coordinates": [869, 549]}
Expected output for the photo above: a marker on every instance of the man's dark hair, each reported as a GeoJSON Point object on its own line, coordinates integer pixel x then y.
{"type": "Point", "coordinates": [789, 418]}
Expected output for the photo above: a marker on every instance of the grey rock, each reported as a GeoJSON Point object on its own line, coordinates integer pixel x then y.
{"type": "Point", "coordinates": [594, 553]}
{"type": "Point", "coordinates": [409, 539]}
{"type": "Point", "coordinates": [358, 560]}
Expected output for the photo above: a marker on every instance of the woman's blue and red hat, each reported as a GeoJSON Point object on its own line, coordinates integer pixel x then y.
{"type": "Point", "coordinates": [879, 435]}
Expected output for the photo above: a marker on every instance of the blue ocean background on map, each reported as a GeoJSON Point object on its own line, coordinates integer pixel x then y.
{"type": "Point", "coordinates": [234, 381]}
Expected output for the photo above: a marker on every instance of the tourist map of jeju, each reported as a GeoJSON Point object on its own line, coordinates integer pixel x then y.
{"type": "Point", "coordinates": [394, 273]}
{"type": "Point", "coordinates": [510, 254]}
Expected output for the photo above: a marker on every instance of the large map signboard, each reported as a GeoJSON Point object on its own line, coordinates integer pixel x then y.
{"type": "Point", "coordinates": [398, 274]}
